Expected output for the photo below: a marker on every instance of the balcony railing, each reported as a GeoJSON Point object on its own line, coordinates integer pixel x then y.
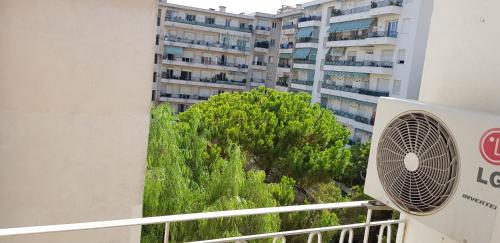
{"type": "Point", "coordinates": [288, 26]}
{"type": "Point", "coordinates": [193, 22]}
{"type": "Point", "coordinates": [350, 89]}
{"type": "Point", "coordinates": [304, 61]}
{"type": "Point", "coordinates": [307, 40]}
{"type": "Point", "coordinates": [303, 82]}
{"type": "Point", "coordinates": [366, 63]}
{"type": "Point", "coordinates": [262, 44]}
{"type": "Point", "coordinates": [346, 231]}
{"type": "Point", "coordinates": [375, 34]}
{"type": "Point", "coordinates": [286, 45]}
{"type": "Point", "coordinates": [215, 80]}
{"type": "Point", "coordinates": [358, 118]}
{"type": "Point", "coordinates": [183, 96]}
{"type": "Point", "coordinates": [377, 4]}
{"type": "Point", "coordinates": [264, 28]}
{"type": "Point", "coordinates": [205, 43]}
{"type": "Point", "coordinates": [207, 62]}
{"type": "Point", "coordinates": [283, 82]}
{"type": "Point", "coordinates": [284, 65]}
{"type": "Point", "coordinates": [260, 81]}
{"type": "Point", "coordinates": [309, 18]}
{"type": "Point", "coordinates": [259, 63]}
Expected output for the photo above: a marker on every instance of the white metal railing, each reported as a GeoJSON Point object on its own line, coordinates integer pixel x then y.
{"type": "Point", "coordinates": [315, 234]}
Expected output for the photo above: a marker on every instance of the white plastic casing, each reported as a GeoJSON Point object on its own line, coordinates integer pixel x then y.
{"type": "Point", "coordinates": [462, 219]}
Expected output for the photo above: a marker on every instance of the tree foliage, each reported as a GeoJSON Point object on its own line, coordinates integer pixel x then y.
{"type": "Point", "coordinates": [255, 149]}
{"type": "Point", "coordinates": [355, 171]}
{"type": "Point", "coordinates": [186, 174]}
{"type": "Point", "coordinates": [281, 133]}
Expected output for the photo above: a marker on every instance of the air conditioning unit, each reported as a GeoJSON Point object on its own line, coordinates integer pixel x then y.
{"type": "Point", "coordinates": [440, 166]}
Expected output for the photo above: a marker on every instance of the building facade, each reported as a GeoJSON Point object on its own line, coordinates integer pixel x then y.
{"type": "Point", "coordinates": [346, 54]}
{"type": "Point", "coordinates": [200, 53]}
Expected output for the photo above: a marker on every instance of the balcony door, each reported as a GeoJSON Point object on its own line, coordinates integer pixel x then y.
{"type": "Point", "coordinates": [392, 28]}
{"type": "Point", "coordinates": [185, 75]}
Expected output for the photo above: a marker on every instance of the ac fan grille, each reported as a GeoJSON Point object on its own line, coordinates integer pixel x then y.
{"type": "Point", "coordinates": [426, 189]}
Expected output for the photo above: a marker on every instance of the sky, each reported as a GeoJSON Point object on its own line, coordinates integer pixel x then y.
{"type": "Point", "coordinates": [239, 6]}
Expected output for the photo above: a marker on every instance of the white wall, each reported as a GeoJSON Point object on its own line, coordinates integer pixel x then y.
{"type": "Point", "coordinates": [75, 89]}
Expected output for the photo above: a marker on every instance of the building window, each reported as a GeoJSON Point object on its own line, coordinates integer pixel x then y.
{"type": "Point", "coordinates": [158, 18]}
{"type": "Point", "coordinates": [191, 17]}
{"type": "Point", "coordinates": [153, 95]}
{"type": "Point", "coordinates": [169, 73]}
{"type": "Point", "coordinates": [396, 87]}
{"type": "Point", "coordinates": [401, 56]}
{"type": "Point", "coordinates": [157, 39]}
{"type": "Point", "coordinates": [154, 77]}
{"type": "Point", "coordinates": [156, 58]}
{"type": "Point", "coordinates": [181, 108]}
{"type": "Point", "coordinates": [228, 22]}
{"type": "Point", "coordinates": [392, 28]}
{"type": "Point", "coordinates": [272, 42]}
{"type": "Point", "coordinates": [186, 75]}
{"type": "Point", "coordinates": [275, 25]}
{"type": "Point", "coordinates": [209, 20]}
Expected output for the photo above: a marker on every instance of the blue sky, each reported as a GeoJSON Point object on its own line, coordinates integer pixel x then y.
{"type": "Point", "coordinates": [238, 6]}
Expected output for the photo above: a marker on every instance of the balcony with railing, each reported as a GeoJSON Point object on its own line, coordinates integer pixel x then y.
{"type": "Point", "coordinates": [205, 63]}
{"type": "Point", "coordinates": [354, 117]}
{"type": "Point", "coordinates": [341, 39]}
{"type": "Point", "coordinates": [262, 46]}
{"type": "Point", "coordinates": [282, 82]}
{"type": "Point", "coordinates": [366, 66]}
{"type": "Point", "coordinates": [216, 81]}
{"type": "Point", "coordinates": [260, 65]}
{"type": "Point", "coordinates": [254, 82]}
{"type": "Point", "coordinates": [262, 30]}
{"type": "Point", "coordinates": [288, 29]}
{"type": "Point", "coordinates": [307, 21]}
{"type": "Point", "coordinates": [369, 230]}
{"type": "Point", "coordinates": [287, 46]}
{"type": "Point", "coordinates": [375, 8]}
{"type": "Point", "coordinates": [303, 82]}
{"type": "Point", "coordinates": [348, 91]}
{"type": "Point", "coordinates": [307, 40]}
{"type": "Point", "coordinates": [204, 45]}
{"type": "Point", "coordinates": [182, 98]}
{"type": "Point", "coordinates": [171, 19]}
{"type": "Point", "coordinates": [304, 63]}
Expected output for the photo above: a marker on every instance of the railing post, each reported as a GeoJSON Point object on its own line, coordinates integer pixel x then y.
{"type": "Point", "coordinates": [351, 235]}
{"type": "Point", "coordinates": [367, 227]}
{"type": "Point", "coordinates": [381, 233]}
{"type": "Point", "coordinates": [311, 237]}
{"type": "Point", "coordinates": [166, 233]}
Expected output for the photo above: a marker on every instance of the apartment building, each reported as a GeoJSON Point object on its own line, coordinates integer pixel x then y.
{"type": "Point", "coordinates": [349, 53]}
{"type": "Point", "coordinates": [204, 52]}
{"type": "Point", "coordinates": [346, 54]}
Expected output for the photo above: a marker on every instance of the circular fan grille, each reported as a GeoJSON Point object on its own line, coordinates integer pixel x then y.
{"type": "Point", "coordinates": [417, 163]}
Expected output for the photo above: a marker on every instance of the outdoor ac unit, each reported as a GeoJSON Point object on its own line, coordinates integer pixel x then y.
{"type": "Point", "coordinates": [440, 166]}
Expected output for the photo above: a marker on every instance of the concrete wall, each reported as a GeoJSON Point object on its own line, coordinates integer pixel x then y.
{"type": "Point", "coordinates": [462, 59]}
{"type": "Point", "coordinates": [74, 104]}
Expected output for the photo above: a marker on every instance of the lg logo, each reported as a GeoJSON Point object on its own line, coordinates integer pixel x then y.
{"type": "Point", "coordinates": [490, 146]}
{"type": "Point", "coordinates": [490, 150]}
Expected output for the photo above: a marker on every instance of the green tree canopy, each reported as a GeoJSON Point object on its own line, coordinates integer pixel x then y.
{"type": "Point", "coordinates": [280, 132]}
{"type": "Point", "coordinates": [243, 150]}
{"type": "Point", "coordinates": [186, 174]}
